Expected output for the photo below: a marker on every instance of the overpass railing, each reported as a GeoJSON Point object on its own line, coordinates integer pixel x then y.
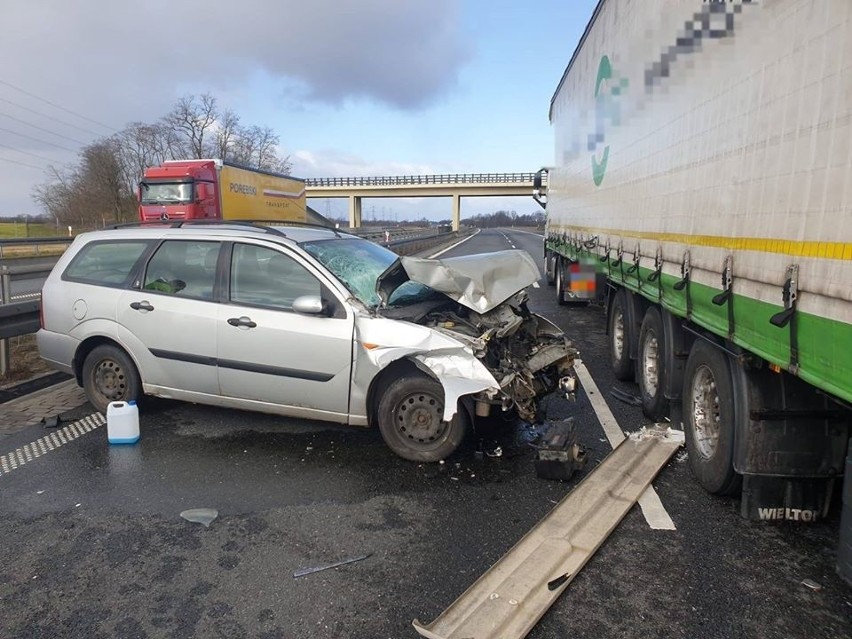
{"type": "Point", "coordinates": [414, 180]}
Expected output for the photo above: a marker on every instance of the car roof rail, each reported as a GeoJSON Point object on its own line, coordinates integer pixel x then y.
{"type": "Point", "coordinates": [264, 225]}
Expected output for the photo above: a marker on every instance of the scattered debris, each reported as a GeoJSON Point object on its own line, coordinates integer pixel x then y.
{"type": "Point", "coordinates": [810, 583]}
{"type": "Point", "coordinates": [497, 451]}
{"type": "Point", "coordinates": [508, 600]}
{"type": "Point", "coordinates": [627, 398]}
{"type": "Point", "coordinates": [200, 515]}
{"type": "Point", "coordinates": [51, 422]}
{"type": "Point", "coordinates": [559, 454]}
{"type": "Point", "coordinates": [308, 571]}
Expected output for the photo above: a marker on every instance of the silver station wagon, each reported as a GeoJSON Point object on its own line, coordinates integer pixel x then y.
{"type": "Point", "coordinates": [306, 322]}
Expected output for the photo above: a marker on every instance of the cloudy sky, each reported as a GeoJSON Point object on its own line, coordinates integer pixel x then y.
{"type": "Point", "coordinates": [352, 87]}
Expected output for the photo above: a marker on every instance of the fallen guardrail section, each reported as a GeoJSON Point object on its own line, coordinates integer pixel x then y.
{"type": "Point", "coordinates": [509, 599]}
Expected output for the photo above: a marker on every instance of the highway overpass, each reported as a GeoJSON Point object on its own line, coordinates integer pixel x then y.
{"type": "Point", "coordinates": [455, 186]}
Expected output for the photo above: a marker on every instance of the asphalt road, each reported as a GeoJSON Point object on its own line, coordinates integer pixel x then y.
{"type": "Point", "coordinates": [93, 545]}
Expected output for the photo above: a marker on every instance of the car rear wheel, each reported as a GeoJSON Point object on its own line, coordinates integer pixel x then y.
{"type": "Point", "coordinates": [109, 375]}
{"type": "Point", "coordinates": [410, 420]}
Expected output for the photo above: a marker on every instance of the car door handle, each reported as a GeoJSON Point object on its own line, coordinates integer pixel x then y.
{"type": "Point", "coordinates": [141, 306]}
{"type": "Point", "coordinates": [242, 321]}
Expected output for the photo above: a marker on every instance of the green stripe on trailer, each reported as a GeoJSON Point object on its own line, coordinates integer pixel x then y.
{"type": "Point", "coordinates": [819, 339]}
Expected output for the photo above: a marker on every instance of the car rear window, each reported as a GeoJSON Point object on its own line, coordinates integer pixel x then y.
{"type": "Point", "coordinates": [107, 263]}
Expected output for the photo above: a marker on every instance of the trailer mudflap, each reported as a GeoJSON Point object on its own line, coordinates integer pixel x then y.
{"type": "Point", "coordinates": [509, 599]}
{"type": "Point", "coordinates": [802, 499]}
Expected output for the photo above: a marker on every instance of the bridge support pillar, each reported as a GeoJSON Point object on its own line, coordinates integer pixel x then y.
{"type": "Point", "coordinates": [456, 212]}
{"type": "Point", "coordinates": [354, 211]}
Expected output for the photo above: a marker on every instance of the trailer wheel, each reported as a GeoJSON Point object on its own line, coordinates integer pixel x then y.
{"type": "Point", "coordinates": [549, 268]}
{"type": "Point", "coordinates": [410, 420]}
{"type": "Point", "coordinates": [619, 338]}
{"type": "Point", "coordinates": [709, 418]}
{"type": "Point", "coordinates": [559, 267]}
{"type": "Point", "coordinates": [652, 369]}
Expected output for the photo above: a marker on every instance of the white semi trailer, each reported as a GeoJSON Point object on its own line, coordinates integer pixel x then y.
{"type": "Point", "coordinates": [703, 179]}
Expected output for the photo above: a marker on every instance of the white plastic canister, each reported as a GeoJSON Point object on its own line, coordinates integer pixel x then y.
{"type": "Point", "coordinates": [122, 423]}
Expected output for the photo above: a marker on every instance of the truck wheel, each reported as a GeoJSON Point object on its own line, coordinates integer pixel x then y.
{"type": "Point", "coordinates": [619, 338]}
{"type": "Point", "coordinates": [109, 375]}
{"type": "Point", "coordinates": [410, 420]}
{"type": "Point", "coordinates": [652, 370]}
{"type": "Point", "coordinates": [559, 267]}
{"type": "Point", "coordinates": [549, 264]}
{"type": "Point", "coordinates": [709, 418]}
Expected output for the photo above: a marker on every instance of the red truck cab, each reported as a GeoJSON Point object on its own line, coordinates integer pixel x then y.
{"type": "Point", "coordinates": [179, 190]}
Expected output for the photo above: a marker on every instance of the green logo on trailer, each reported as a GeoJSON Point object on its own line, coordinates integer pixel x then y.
{"type": "Point", "coordinates": [606, 108]}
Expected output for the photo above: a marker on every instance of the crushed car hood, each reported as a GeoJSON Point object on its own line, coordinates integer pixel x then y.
{"type": "Point", "coordinates": [479, 282]}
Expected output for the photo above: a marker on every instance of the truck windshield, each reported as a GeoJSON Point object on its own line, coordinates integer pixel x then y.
{"type": "Point", "coordinates": [166, 192]}
{"type": "Point", "coordinates": [358, 263]}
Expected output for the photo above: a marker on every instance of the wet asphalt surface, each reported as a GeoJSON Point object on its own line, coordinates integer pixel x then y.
{"type": "Point", "coordinates": [93, 544]}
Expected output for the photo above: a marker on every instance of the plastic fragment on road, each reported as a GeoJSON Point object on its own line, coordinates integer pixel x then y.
{"type": "Point", "coordinates": [200, 515]}
{"type": "Point", "coordinates": [509, 599]}
{"type": "Point", "coordinates": [813, 585]}
{"type": "Point", "coordinates": [309, 571]}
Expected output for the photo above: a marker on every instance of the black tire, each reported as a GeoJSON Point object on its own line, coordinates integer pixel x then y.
{"type": "Point", "coordinates": [652, 366]}
{"type": "Point", "coordinates": [409, 416]}
{"type": "Point", "coordinates": [559, 275]}
{"type": "Point", "coordinates": [619, 338]}
{"type": "Point", "coordinates": [549, 270]}
{"type": "Point", "coordinates": [709, 418]}
{"type": "Point", "coordinates": [109, 375]}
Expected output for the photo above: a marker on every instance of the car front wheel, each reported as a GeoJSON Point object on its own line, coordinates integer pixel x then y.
{"type": "Point", "coordinates": [410, 420]}
{"type": "Point", "coordinates": [109, 375]}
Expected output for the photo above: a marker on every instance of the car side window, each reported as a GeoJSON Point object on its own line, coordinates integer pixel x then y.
{"type": "Point", "coordinates": [183, 268]}
{"type": "Point", "coordinates": [105, 263]}
{"type": "Point", "coordinates": [264, 277]}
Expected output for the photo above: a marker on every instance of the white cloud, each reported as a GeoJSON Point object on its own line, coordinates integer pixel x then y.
{"type": "Point", "coordinates": [95, 54]}
{"type": "Point", "coordinates": [332, 163]}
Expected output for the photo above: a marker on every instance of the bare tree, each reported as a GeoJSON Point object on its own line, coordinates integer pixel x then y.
{"type": "Point", "coordinates": [101, 186]}
{"type": "Point", "coordinates": [258, 147]}
{"type": "Point", "coordinates": [189, 122]}
{"type": "Point", "coordinates": [227, 133]}
{"type": "Point", "coordinates": [141, 145]}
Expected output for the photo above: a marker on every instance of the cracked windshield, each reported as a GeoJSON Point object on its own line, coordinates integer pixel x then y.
{"type": "Point", "coordinates": [358, 263]}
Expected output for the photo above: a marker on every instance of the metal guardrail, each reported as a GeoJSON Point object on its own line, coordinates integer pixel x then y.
{"type": "Point", "coordinates": [18, 318]}
{"type": "Point", "coordinates": [412, 180]}
{"type": "Point", "coordinates": [8, 243]}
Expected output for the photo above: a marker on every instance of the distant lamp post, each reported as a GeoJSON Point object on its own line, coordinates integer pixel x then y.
{"type": "Point", "coordinates": [27, 224]}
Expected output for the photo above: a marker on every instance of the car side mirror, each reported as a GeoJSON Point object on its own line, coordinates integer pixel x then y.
{"type": "Point", "coordinates": [201, 191]}
{"type": "Point", "coordinates": [309, 305]}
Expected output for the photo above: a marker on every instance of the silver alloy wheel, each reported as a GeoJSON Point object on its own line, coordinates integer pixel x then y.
{"type": "Point", "coordinates": [650, 363]}
{"type": "Point", "coordinates": [419, 418]}
{"type": "Point", "coordinates": [618, 336]}
{"type": "Point", "coordinates": [706, 417]}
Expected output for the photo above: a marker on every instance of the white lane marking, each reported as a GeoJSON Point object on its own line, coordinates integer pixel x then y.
{"type": "Point", "coordinates": [449, 248]}
{"type": "Point", "coordinates": [652, 508]}
{"type": "Point", "coordinates": [29, 452]}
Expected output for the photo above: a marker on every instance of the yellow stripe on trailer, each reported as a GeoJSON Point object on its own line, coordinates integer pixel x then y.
{"type": "Point", "coordinates": [798, 248]}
